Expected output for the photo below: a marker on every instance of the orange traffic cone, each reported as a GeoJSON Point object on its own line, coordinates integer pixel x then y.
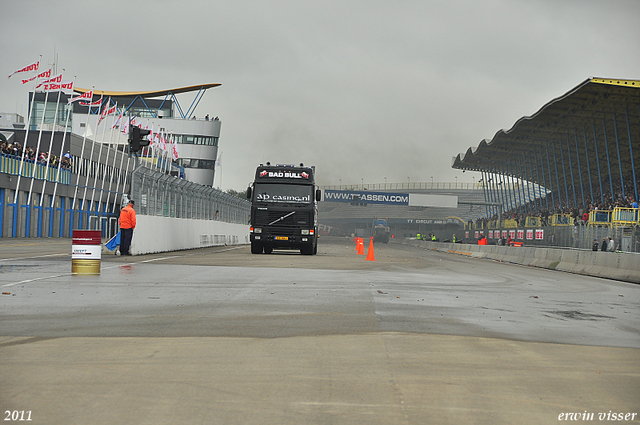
{"type": "Point", "coordinates": [360, 246]}
{"type": "Point", "coordinates": [370, 256]}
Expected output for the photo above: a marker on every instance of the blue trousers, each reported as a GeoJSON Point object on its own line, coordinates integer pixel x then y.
{"type": "Point", "coordinates": [125, 241]}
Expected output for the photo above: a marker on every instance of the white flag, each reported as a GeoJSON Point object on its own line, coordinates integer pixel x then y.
{"type": "Point", "coordinates": [65, 87]}
{"type": "Point", "coordinates": [85, 95]}
{"type": "Point", "coordinates": [174, 150]}
{"type": "Point", "coordinates": [45, 74]}
{"type": "Point", "coordinates": [56, 79]}
{"type": "Point", "coordinates": [29, 68]}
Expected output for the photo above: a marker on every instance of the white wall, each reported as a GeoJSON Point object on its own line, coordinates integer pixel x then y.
{"type": "Point", "coordinates": [163, 234]}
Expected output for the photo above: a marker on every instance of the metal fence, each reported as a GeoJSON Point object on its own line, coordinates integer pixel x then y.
{"type": "Point", "coordinates": [164, 195]}
{"type": "Point", "coordinates": [626, 238]}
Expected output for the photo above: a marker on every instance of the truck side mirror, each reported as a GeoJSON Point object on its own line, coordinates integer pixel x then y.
{"type": "Point", "coordinates": [248, 193]}
{"type": "Point", "coordinates": [318, 195]}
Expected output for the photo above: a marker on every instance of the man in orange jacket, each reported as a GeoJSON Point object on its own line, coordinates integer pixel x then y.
{"type": "Point", "coordinates": [127, 223]}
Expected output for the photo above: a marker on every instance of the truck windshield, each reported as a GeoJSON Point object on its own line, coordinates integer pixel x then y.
{"type": "Point", "coordinates": [283, 193]}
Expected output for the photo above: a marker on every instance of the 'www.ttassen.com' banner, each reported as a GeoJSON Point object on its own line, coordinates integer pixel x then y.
{"type": "Point", "coordinates": [366, 196]}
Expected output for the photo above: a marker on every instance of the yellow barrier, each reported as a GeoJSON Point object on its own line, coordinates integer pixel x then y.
{"type": "Point", "coordinates": [561, 220]}
{"type": "Point", "coordinates": [510, 224]}
{"type": "Point", "coordinates": [533, 222]}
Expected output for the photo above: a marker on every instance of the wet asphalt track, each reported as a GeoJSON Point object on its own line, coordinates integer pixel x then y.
{"type": "Point", "coordinates": [288, 338]}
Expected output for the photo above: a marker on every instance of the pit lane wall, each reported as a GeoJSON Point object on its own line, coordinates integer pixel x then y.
{"type": "Point", "coordinates": [623, 266]}
{"type": "Point", "coordinates": [163, 234]}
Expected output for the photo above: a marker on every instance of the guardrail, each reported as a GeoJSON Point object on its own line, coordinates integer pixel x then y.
{"type": "Point", "coordinates": [609, 265]}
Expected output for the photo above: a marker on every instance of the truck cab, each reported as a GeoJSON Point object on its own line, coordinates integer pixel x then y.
{"type": "Point", "coordinates": [284, 209]}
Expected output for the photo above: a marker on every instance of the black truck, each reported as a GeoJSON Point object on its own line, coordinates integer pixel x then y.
{"type": "Point", "coordinates": [284, 209]}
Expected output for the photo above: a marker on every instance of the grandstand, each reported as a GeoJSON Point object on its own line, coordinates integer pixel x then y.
{"type": "Point", "coordinates": [582, 150]}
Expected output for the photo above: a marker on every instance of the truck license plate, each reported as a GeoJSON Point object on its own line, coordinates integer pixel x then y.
{"type": "Point", "coordinates": [282, 238]}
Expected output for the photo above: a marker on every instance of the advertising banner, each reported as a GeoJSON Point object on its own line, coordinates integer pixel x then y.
{"type": "Point", "coordinates": [366, 197]}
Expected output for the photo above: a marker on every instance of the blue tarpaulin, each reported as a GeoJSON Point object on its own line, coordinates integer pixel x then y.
{"type": "Point", "coordinates": [113, 243]}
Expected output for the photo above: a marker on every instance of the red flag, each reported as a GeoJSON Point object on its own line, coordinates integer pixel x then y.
{"type": "Point", "coordinates": [29, 68]}
{"type": "Point", "coordinates": [85, 95]}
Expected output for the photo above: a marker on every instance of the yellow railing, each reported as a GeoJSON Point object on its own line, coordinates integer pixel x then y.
{"type": "Point", "coordinates": [617, 217]}
{"type": "Point", "coordinates": [561, 220]}
{"type": "Point", "coordinates": [11, 165]}
{"type": "Point", "coordinates": [625, 216]}
{"type": "Point", "coordinates": [600, 217]}
{"type": "Point", "coordinates": [533, 222]}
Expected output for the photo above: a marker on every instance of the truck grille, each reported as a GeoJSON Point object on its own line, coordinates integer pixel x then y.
{"type": "Point", "coordinates": [298, 219]}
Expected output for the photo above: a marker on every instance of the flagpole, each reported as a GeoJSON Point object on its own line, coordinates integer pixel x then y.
{"type": "Point", "coordinates": [84, 139]}
{"type": "Point", "coordinates": [106, 161]}
{"type": "Point", "coordinates": [86, 181]}
{"type": "Point", "coordinates": [53, 132]}
{"type": "Point", "coordinates": [64, 136]}
{"type": "Point", "coordinates": [167, 164]}
{"type": "Point", "coordinates": [104, 130]}
{"type": "Point", "coordinates": [113, 165]}
{"type": "Point", "coordinates": [35, 161]}
{"type": "Point", "coordinates": [26, 136]}
{"type": "Point", "coordinates": [123, 176]}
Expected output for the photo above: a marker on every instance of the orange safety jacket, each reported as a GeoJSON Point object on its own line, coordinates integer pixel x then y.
{"type": "Point", "coordinates": [127, 218]}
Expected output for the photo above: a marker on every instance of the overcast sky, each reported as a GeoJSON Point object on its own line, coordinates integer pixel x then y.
{"type": "Point", "coordinates": [363, 90]}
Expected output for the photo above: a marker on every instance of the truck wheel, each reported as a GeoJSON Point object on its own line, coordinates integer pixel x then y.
{"type": "Point", "coordinates": [256, 248]}
{"type": "Point", "coordinates": [268, 250]}
{"type": "Point", "coordinates": [306, 250]}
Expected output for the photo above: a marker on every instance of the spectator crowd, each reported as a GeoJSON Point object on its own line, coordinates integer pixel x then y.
{"type": "Point", "coordinates": [16, 150]}
{"type": "Point", "coordinates": [580, 213]}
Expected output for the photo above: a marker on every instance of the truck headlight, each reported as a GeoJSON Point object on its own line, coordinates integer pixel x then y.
{"type": "Point", "coordinates": [257, 230]}
{"type": "Point", "coordinates": [304, 231]}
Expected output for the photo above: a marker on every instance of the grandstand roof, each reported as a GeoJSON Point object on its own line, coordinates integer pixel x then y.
{"type": "Point", "coordinates": [600, 112]}
{"type": "Point", "coordinates": [147, 94]}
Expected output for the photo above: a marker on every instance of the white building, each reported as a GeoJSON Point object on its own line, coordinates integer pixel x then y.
{"type": "Point", "coordinates": [197, 138]}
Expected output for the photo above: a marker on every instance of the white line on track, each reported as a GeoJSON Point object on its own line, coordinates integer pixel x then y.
{"type": "Point", "coordinates": [104, 268]}
{"type": "Point", "coordinates": [38, 256]}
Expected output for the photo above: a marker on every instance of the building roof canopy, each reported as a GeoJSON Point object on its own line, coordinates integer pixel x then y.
{"type": "Point", "coordinates": [150, 94]}
{"type": "Point", "coordinates": [595, 109]}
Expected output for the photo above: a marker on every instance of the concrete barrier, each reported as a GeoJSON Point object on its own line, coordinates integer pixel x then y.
{"type": "Point", "coordinates": [162, 234]}
{"type": "Point", "coordinates": [623, 266]}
